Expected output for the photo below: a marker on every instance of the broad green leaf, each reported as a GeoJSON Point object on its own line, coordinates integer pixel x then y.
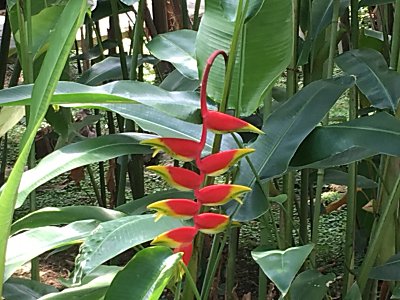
{"type": "Point", "coordinates": [389, 271]}
{"type": "Point", "coordinates": [95, 52]}
{"type": "Point", "coordinates": [94, 290]}
{"type": "Point", "coordinates": [10, 116]}
{"type": "Point", "coordinates": [26, 289]}
{"type": "Point", "coordinates": [360, 138]}
{"type": "Point", "coordinates": [311, 285]}
{"type": "Point", "coordinates": [285, 129]}
{"type": "Point", "coordinates": [152, 120]}
{"type": "Point", "coordinates": [40, 240]}
{"type": "Point", "coordinates": [64, 215]}
{"type": "Point", "coordinates": [395, 294]}
{"type": "Point", "coordinates": [179, 104]}
{"type": "Point", "coordinates": [259, 60]}
{"type": "Point", "coordinates": [369, 38]}
{"type": "Point", "coordinates": [150, 269]}
{"type": "Point", "coordinates": [333, 176]}
{"type": "Point", "coordinates": [374, 79]}
{"type": "Point", "coordinates": [138, 206]}
{"type": "Point", "coordinates": [178, 48]}
{"type": "Point", "coordinates": [109, 69]}
{"type": "Point", "coordinates": [62, 39]}
{"type": "Point", "coordinates": [175, 81]}
{"type": "Point", "coordinates": [80, 154]}
{"type": "Point", "coordinates": [98, 272]}
{"type": "Point", "coordinates": [354, 293]}
{"type": "Point", "coordinates": [321, 17]}
{"type": "Point", "coordinates": [282, 266]}
{"type": "Point", "coordinates": [114, 237]}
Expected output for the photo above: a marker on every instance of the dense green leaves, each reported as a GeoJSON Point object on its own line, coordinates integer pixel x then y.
{"type": "Point", "coordinates": [64, 215]}
{"type": "Point", "coordinates": [360, 138]}
{"type": "Point", "coordinates": [285, 129]}
{"type": "Point", "coordinates": [43, 239]}
{"type": "Point", "coordinates": [374, 79]}
{"type": "Point", "coordinates": [281, 266]}
{"type": "Point", "coordinates": [178, 48]}
{"type": "Point", "coordinates": [129, 231]}
{"type": "Point", "coordinates": [77, 155]}
{"type": "Point", "coordinates": [150, 269]}
{"type": "Point", "coordinates": [259, 60]}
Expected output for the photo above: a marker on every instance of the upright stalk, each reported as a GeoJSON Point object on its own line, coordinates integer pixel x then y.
{"type": "Point", "coordinates": [196, 17]}
{"type": "Point", "coordinates": [320, 173]}
{"type": "Point", "coordinates": [394, 51]}
{"type": "Point", "coordinates": [4, 49]}
{"type": "Point", "coordinates": [352, 177]}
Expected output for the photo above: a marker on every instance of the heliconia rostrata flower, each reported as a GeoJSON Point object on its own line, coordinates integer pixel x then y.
{"type": "Point", "coordinates": [181, 239]}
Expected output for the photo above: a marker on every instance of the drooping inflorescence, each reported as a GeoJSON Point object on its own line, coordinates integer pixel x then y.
{"type": "Point", "coordinates": [181, 239]}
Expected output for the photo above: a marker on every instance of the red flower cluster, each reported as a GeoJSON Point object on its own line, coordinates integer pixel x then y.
{"type": "Point", "coordinates": [181, 239]}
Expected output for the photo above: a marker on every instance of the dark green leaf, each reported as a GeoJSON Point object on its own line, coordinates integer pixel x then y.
{"type": "Point", "coordinates": [374, 79]}
{"type": "Point", "coordinates": [25, 289]}
{"type": "Point", "coordinates": [373, 2]}
{"type": "Point", "coordinates": [281, 266]}
{"type": "Point", "coordinates": [333, 176]}
{"type": "Point", "coordinates": [109, 69]}
{"type": "Point", "coordinates": [95, 52]}
{"type": "Point", "coordinates": [354, 293]}
{"type": "Point", "coordinates": [178, 48]}
{"type": "Point", "coordinates": [150, 270]}
{"type": "Point", "coordinates": [389, 271]}
{"type": "Point", "coordinates": [64, 215]}
{"type": "Point", "coordinates": [285, 129]}
{"type": "Point", "coordinates": [114, 237]}
{"type": "Point", "coordinates": [347, 142]}
{"type": "Point", "coordinates": [175, 81]}
{"type": "Point", "coordinates": [310, 285]}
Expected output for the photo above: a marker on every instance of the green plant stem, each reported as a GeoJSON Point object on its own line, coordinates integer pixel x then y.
{"type": "Point", "coordinates": [316, 213]}
{"type": "Point", "coordinates": [265, 236]}
{"type": "Point", "coordinates": [303, 213]}
{"type": "Point", "coordinates": [4, 151]}
{"type": "Point", "coordinates": [394, 51]}
{"type": "Point", "coordinates": [95, 186]}
{"type": "Point", "coordinates": [118, 35]}
{"type": "Point", "coordinates": [96, 30]}
{"type": "Point", "coordinates": [196, 17]}
{"type": "Point", "coordinates": [178, 288]}
{"type": "Point", "coordinates": [137, 40]}
{"type": "Point", "coordinates": [190, 280]}
{"type": "Point", "coordinates": [4, 49]}
{"type": "Point", "coordinates": [231, 263]}
{"type": "Point", "coordinates": [185, 14]}
{"type": "Point", "coordinates": [374, 244]}
{"type": "Point", "coordinates": [102, 177]}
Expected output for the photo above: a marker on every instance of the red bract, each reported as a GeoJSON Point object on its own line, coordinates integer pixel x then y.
{"type": "Point", "coordinates": [220, 194]}
{"type": "Point", "coordinates": [178, 208]}
{"type": "Point", "coordinates": [218, 163]}
{"type": "Point", "coordinates": [179, 178]}
{"type": "Point", "coordinates": [211, 223]}
{"type": "Point", "coordinates": [222, 123]}
{"type": "Point", "coordinates": [187, 251]}
{"type": "Point", "coordinates": [178, 237]}
{"type": "Point", "coordinates": [181, 149]}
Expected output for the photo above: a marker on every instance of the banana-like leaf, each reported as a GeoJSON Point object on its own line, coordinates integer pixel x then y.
{"type": "Point", "coordinates": [373, 2]}
{"type": "Point", "coordinates": [26, 289]}
{"type": "Point", "coordinates": [160, 266]}
{"type": "Point", "coordinates": [178, 48]}
{"type": "Point", "coordinates": [355, 293]}
{"type": "Point", "coordinates": [109, 69]}
{"type": "Point", "coordinates": [311, 284]}
{"type": "Point", "coordinates": [40, 240]}
{"type": "Point", "coordinates": [79, 154]}
{"type": "Point", "coordinates": [282, 266]}
{"type": "Point", "coordinates": [389, 271]}
{"type": "Point", "coordinates": [175, 81]}
{"type": "Point", "coordinates": [374, 79]}
{"type": "Point", "coordinates": [114, 237]}
{"type": "Point", "coordinates": [93, 290]}
{"type": "Point", "coordinates": [259, 60]}
{"type": "Point", "coordinates": [10, 116]}
{"type": "Point", "coordinates": [347, 142]}
{"type": "Point", "coordinates": [64, 215]}
{"type": "Point", "coordinates": [152, 120]}
{"type": "Point", "coordinates": [177, 104]}
{"type": "Point", "coordinates": [285, 129]}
